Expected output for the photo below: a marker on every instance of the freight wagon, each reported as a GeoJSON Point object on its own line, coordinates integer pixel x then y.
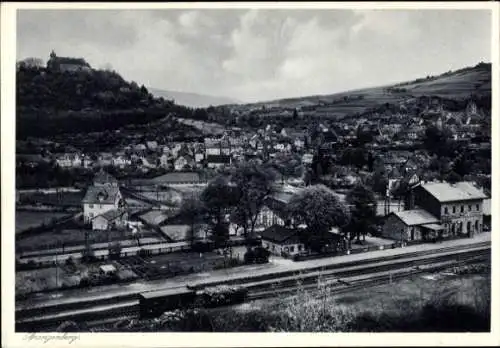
{"type": "Point", "coordinates": [153, 303]}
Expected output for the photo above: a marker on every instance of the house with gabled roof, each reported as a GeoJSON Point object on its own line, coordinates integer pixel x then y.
{"type": "Point", "coordinates": [280, 240]}
{"type": "Point", "coordinates": [103, 196]}
{"type": "Point", "coordinates": [438, 209]}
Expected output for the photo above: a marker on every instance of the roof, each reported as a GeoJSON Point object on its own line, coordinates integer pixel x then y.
{"type": "Point", "coordinates": [178, 177]}
{"type": "Point", "coordinates": [102, 177]}
{"type": "Point", "coordinates": [108, 268]}
{"type": "Point", "coordinates": [279, 234]}
{"type": "Point", "coordinates": [155, 217]}
{"type": "Point", "coordinates": [416, 217]}
{"type": "Point", "coordinates": [108, 194]}
{"type": "Point", "coordinates": [461, 191]}
{"type": "Point", "coordinates": [69, 60]}
{"type": "Point", "coordinates": [218, 159]}
{"type": "Point", "coordinates": [111, 215]}
{"type": "Point", "coordinates": [176, 232]}
{"type": "Point", "coordinates": [166, 292]}
{"type": "Point", "coordinates": [435, 227]}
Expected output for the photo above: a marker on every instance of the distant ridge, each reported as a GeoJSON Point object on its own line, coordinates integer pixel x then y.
{"type": "Point", "coordinates": [193, 100]}
{"type": "Point", "coordinates": [458, 84]}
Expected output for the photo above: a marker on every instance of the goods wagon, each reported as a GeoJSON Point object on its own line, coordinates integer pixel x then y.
{"type": "Point", "coordinates": [154, 303]}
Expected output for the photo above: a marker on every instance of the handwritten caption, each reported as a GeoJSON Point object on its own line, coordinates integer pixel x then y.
{"type": "Point", "coordinates": [47, 338]}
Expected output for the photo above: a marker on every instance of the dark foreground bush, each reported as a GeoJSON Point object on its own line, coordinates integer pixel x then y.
{"type": "Point", "coordinates": [447, 317]}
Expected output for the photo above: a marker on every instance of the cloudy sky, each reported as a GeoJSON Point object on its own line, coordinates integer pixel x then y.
{"type": "Point", "coordinates": [253, 55]}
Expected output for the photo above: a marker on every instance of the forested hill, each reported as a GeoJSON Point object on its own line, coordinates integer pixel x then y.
{"type": "Point", "coordinates": [85, 101]}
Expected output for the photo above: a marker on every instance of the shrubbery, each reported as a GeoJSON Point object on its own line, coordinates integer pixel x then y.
{"type": "Point", "coordinates": [257, 255]}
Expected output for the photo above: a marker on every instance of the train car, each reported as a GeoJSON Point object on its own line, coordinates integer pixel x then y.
{"type": "Point", "coordinates": [222, 295]}
{"type": "Point", "coordinates": [154, 303]}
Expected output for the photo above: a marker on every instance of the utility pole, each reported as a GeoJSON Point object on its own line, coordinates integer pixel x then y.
{"type": "Point", "coordinates": [57, 272]}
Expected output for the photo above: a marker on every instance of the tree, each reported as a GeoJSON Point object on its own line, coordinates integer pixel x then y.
{"type": "Point", "coordinates": [31, 63]}
{"type": "Point", "coordinates": [195, 212]}
{"type": "Point", "coordinates": [379, 180]}
{"type": "Point", "coordinates": [254, 183]}
{"type": "Point", "coordinates": [452, 177]}
{"type": "Point", "coordinates": [363, 207]}
{"type": "Point", "coordinates": [353, 156]}
{"type": "Point", "coordinates": [319, 208]}
{"type": "Point", "coordinates": [217, 198]}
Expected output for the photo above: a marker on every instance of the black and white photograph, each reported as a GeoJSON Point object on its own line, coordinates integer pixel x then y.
{"type": "Point", "coordinates": [250, 169]}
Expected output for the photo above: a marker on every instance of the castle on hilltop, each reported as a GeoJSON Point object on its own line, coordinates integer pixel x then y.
{"type": "Point", "coordinates": [67, 64]}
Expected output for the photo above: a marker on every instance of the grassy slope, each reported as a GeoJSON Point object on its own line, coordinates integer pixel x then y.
{"type": "Point", "coordinates": [457, 85]}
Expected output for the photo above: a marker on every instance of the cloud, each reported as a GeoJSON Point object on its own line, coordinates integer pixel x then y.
{"type": "Point", "coordinates": [261, 54]}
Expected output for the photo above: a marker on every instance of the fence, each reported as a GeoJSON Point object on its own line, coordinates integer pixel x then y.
{"type": "Point", "coordinates": [46, 226]}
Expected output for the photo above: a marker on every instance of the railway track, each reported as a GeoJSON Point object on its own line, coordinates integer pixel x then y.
{"type": "Point", "coordinates": [339, 280]}
{"type": "Point", "coordinates": [24, 311]}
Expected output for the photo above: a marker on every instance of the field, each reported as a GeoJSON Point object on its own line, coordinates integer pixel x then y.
{"type": "Point", "coordinates": [169, 265]}
{"type": "Point", "coordinates": [28, 219]}
{"type": "Point", "coordinates": [54, 199]}
{"type": "Point", "coordinates": [70, 237]}
{"type": "Point", "coordinates": [63, 276]}
{"type": "Point", "coordinates": [459, 84]}
{"type": "Point", "coordinates": [409, 305]}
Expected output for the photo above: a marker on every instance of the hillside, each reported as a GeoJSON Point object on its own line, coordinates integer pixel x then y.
{"type": "Point", "coordinates": [193, 100]}
{"type": "Point", "coordinates": [458, 85]}
{"type": "Point", "coordinates": [85, 101]}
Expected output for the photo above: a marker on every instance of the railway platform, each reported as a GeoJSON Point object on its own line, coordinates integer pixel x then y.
{"type": "Point", "coordinates": [118, 290]}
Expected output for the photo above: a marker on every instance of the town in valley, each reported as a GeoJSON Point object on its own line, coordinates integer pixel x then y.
{"type": "Point", "coordinates": [137, 213]}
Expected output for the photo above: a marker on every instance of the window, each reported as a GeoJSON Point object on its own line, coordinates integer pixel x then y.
{"type": "Point", "coordinates": [91, 206]}
{"type": "Point", "coordinates": [446, 210]}
{"type": "Point", "coordinates": [292, 249]}
{"type": "Point", "coordinates": [454, 209]}
{"type": "Point", "coordinates": [477, 207]}
{"type": "Point", "coordinates": [461, 208]}
{"type": "Point", "coordinates": [300, 247]}
{"type": "Point", "coordinates": [470, 207]}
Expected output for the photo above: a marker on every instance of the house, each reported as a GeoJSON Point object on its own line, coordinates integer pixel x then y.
{"type": "Point", "coordinates": [69, 160]}
{"type": "Point", "coordinates": [120, 160]}
{"type": "Point", "coordinates": [199, 157]}
{"type": "Point", "coordinates": [218, 161]}
{"type": "Point", "coordinates": [164, 161]}
{"type": "Point", "coordinates": [115, 218]}
{"type": "Point", "coordinates": [107, 270]}
{"type": "Point", "coordinates": [139, 148]}
{"type": "Point", "coordinates": [307, 158]}
{"type": "Point", "coordinates": [104, 195]}
{"type": "Point", "coordinates": [179, 179]}
{"type": "Point", "coordinates": [299, 143]}
{"type": "Point", "coordinates": [150, 161]}
{"type": "Point", "coordinates": [175, 149]}
{"type": "Point", "coordinates": [182, 162]}
{"type": "Point", "coordinates": [31, 160]}
{"type": "Point", "coordinates": [281, 240]}
{"type": "Point", "coordinates": [66, 64]}
{"type": "Point", "coordinates": [87, 161]}
{"type": "Point", "coordinates": [105, 159]}
{"type": "Point", "coordinates": [152, 145]}
{"type": "Point", "coordinates": [410, 225]}
{"type": "Point", "coordinates": [459, 207]}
